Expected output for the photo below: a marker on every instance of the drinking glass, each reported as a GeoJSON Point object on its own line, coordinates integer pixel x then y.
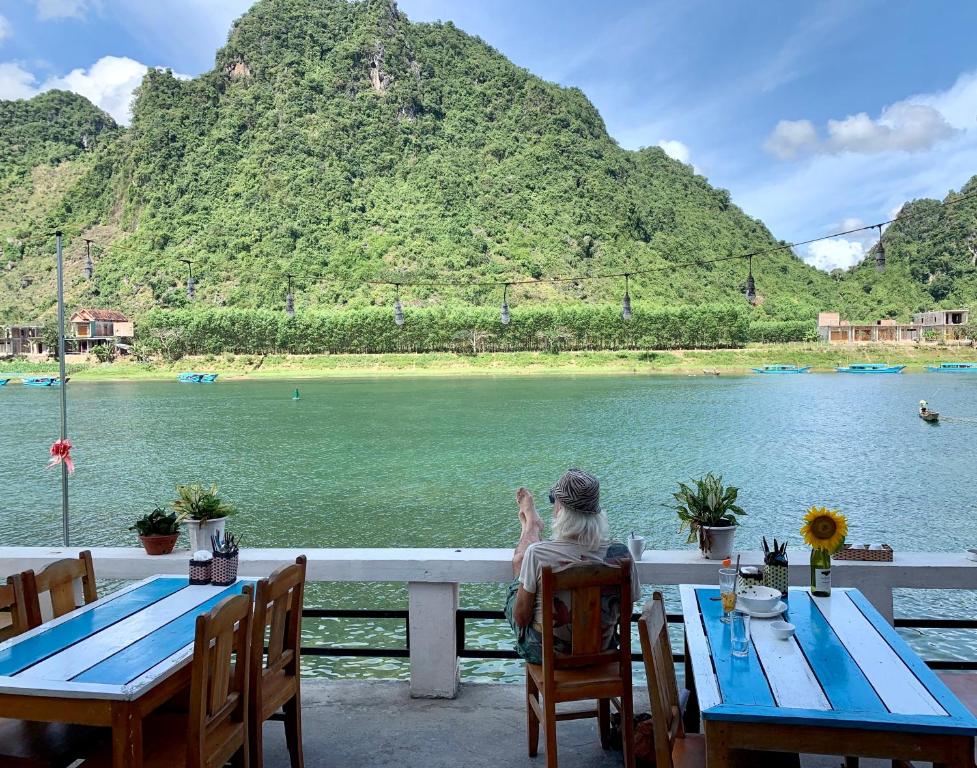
{"type": "Point", "coordinates": [727, 592]}
{"type": "Point", "coordinates": [739, 633]}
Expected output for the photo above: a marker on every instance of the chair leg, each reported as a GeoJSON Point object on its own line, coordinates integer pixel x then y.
{"type": "Point", "coordinates": [293, 731]}
{"type": "Point", "coordinates": [627, 729]}
{"type": "Point", "coordinates": [549, 731]}
{"type": "Point", "coordinates": [532, 721]}
{"type": "Point", "coordinates": [256, 742]}
{"type": "Point", "coordinates": [240, 758]}
{"type": "Point", "coordinates": [604, 722]}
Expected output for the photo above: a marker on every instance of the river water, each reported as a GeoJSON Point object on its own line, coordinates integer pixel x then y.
{"type": "Point", "coordinates": [435, 462]}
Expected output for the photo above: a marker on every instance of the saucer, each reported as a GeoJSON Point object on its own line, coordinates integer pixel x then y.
{"type": "Point", "coordinates": [778, 609]}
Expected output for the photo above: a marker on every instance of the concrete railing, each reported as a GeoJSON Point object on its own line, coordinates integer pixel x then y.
{"type": "Point", "coordinates": [433, 575]}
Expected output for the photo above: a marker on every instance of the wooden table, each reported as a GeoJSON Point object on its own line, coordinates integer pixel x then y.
{"type": "Point", "coordinates": [109, 663]}
{"type": "Point", "coordinates": [845, 684]}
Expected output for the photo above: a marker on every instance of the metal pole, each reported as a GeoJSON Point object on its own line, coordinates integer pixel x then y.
{"type": "Point", "coordinates": [64, 389]}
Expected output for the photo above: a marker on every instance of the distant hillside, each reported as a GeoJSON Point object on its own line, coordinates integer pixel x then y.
{"type": "Point", "coordinates": [341, 142]}
{"type": "Point", "coordinates": [931, 255]}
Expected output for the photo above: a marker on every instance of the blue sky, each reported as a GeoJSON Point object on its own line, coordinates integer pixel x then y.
{"type": "Point", "coordinates": [817, 116]}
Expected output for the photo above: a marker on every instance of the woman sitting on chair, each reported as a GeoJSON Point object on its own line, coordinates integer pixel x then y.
{"type": "Point", "coordinates": [579, 536]}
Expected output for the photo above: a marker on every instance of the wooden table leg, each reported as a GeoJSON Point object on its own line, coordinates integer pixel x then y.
{"type": "Point", "coordinates": [718, 753]}
{"type": "Point", "coordinates": [126, 736]}
{"type": "Point", "coordinates": [691, 717]}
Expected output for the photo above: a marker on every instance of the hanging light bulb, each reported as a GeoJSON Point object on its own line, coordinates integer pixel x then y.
{"type": "Point", "coordinates": [626, 305]}
{"type": "Point", "coordinates": [398, 310]}
{"type": "Point", "coordinates": [289, 299]}
{"type": "Point", "coordinates": [89, 264]}
{"type": "Point", "coordinates": [880, 252]}
{"type": "Point", "coordinates": [506, 319]}
{"type": "Point", "coordinates": [751, 285]}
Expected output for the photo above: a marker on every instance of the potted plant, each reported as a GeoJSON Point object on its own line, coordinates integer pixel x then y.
{"type": "Point", "coordinates": [204, 513]}
{"type": "Point", "coordinates": [708, 508]}
{"type": "Point", "coordinates": [158, 531]}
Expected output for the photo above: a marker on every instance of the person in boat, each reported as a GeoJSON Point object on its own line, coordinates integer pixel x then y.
{"type": "Point", "coordinates": [923, 408]}
{"type": "Point", "coordinates": [580, 535]}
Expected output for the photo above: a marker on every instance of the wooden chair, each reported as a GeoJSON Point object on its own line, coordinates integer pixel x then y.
{"type": "Point", "coordinates": [13, 601]}
{"type": "Point", "coordinates": [275, 675]}
{"type": "Point", "coordinates": [215, 731]}
{"type": "Point", "coordinates": [674, 748]}
{"type": "Point", "coordinates": [57, 580]}
{"type": "Point", "coordinates": [587, 672]}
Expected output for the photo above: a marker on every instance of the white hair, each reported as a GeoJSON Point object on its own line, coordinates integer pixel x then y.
{"type": "Point", "coordinates": [587, 529]}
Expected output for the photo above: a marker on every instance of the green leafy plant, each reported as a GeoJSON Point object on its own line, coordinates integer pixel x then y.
{"type": "Point", "coordinates": [159, 522]}
{"type": "Point", "coordinates": [709, 504]}
{"type": "Point", "coordinates": [196, 502]}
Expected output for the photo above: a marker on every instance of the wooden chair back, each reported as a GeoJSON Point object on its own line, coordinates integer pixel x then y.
{"type": "Point", "coordinates": [218, 722]}
{"type": "Point", "coordinates": [587, 584]}
{"type": "Point", "coordinates": [656, 649]}
{"type": "Point", "coordinates": [13, 601]}
{"type": "Point", "coordinates": [58, 580]}
{"type": "Point", "coordinates": [277, 627]}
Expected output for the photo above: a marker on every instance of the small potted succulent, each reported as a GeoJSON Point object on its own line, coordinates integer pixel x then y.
{"type": "Point", "coordinates": [204, 512]}
{"type": "Point", "coordinates": [709, 511]}
{"type": "Point", "coordinates": [158, 531]}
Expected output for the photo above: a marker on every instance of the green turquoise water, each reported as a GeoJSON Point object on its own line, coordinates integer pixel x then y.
{"type": "Point", "coordinates": [435, 462]}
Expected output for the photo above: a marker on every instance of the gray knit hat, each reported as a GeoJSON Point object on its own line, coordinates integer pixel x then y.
{"type": "Point", "coordinates": [579, 491]}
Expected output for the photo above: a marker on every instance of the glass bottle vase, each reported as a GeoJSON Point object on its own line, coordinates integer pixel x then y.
{"type": "Point", "coordinates": [820, 573]}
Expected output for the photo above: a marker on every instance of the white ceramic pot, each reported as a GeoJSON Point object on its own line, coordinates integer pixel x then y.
{"type": "Point", "coordinates": [200, 532]}
{"type": "Point", "coordinates": [717, 542]}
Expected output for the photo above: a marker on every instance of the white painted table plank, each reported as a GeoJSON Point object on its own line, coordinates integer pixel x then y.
{"type": "Point", "coordinates": [896, 684]}
{"type": "Point", "coordinates": [86, 654]}
{"type": "Point", "coordinates": [788, 672]}
{"type": "Point", "coordinates": [706, 684]}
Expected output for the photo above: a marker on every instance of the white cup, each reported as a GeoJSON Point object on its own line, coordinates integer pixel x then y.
{"type": "Point", "coordinates": [637, 546]}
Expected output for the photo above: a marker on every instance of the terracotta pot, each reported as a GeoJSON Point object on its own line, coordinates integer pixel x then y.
{"type": "Point", "coordinates": [159, 545]}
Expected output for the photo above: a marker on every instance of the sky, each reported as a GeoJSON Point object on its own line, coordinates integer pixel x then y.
{"type": "Point", "coordinates": [818, 117]}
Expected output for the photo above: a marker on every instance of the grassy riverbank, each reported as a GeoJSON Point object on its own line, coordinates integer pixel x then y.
{"type": "Point", "coordinates": [732, 361]}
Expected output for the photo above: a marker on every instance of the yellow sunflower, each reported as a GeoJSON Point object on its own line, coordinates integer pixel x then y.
{"type": "Point", "coordinates": [824, 529]}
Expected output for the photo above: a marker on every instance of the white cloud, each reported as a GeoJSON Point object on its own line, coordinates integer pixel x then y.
{"type": "Point", "coordinates": [835, 253]}
{"type": "Point", "coordinates": [791, 138]}
{"type": "Point", "coordinates": [676, 150]}
{"type": "Point", "coordinates": [62, 9]}
{"type": "Point", "coordinates": [109, 83]}
{"type": "Point", "coordinates": [906, 126]}
{"type": "Point", "coordinates": [5, 29]}
{"type": "Point", "coordinates": [16, 82]}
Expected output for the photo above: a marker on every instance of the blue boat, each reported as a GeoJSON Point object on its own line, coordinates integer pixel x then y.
{"type": "Point", "coordinates": [3, 382]}
{"type": "Point", "coordinates": [953, 368]}
{"type": "Point", "coordinates": [782, 369]}
{"type": "Point", "coordinates": [191, 377]}
{"type": "Point", "coordinates": [41, 381]}
{"type": "Point", "coordinates": [870, 368]}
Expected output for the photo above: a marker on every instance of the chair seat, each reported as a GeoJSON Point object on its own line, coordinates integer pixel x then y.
{"type": "Point", "coordinates": [27, 743]}
{"type": "Point", "coordinates": [569, 679]}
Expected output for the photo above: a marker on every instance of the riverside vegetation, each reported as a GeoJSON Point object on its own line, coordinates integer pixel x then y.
{"type": "Point", "coordinates": [341, 142]}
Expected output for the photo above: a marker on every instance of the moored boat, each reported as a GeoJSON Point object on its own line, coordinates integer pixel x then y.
{"type": "Point", "coordinates": [41, 381]}
{"type": "Point", "coordinates": [3, 382]}
{"type": "Point", "coordinates": [779, 368]}
{"type": "Point", "coordinates": [953, 368]}
{"type": "Point", "coordinates": [192, 377]}
{"type": "Point", "coordinates": [870, 368]}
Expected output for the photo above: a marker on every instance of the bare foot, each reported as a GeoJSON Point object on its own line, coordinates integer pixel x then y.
{"type": "Point", "coordinates": [528, 517]}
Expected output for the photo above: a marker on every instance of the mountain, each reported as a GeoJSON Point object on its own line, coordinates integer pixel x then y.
{"type": "Point", "coordinates": [931, 255]}
{"type": "Point", "coordinates": [340, 142]}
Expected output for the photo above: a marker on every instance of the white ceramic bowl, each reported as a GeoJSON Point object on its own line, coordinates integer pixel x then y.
{"type": "Point", "coordinates": [782, 630]}
{"type": "Point", "coordinates": [759, 599]}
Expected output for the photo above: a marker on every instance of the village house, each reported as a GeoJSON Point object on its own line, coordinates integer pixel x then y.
{"type": "Point", "coordinates": [18, 340]}
{"type": "Point", "coordinates": [90, 328]}
{"type": "Point", "coordinates": [937, 325]}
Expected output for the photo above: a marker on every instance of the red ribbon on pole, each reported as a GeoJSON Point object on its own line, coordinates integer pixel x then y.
{"type": "Point", "coordinates": [61, 451]}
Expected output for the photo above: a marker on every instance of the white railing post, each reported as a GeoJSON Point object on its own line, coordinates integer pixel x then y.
{"type": "Point", "coordinates": [433, 653]}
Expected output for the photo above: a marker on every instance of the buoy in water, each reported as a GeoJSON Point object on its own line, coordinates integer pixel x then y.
{"type": "Point", "coordinates": [296, 395]}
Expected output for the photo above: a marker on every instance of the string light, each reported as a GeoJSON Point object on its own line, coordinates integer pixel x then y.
{"type": "Point", "coordinates": [191, 283]}
{"type": "Point", "coordinates": [880, 252]}
{"type": "Point", "coordinates": [398, 310]}
{"type": "Point", "coordinates": [626, 305]}
{"type": "Point", "coordinates": [750, 284]}
{"type": "Point", "coordinates": [506, 319]}
{"type": "Point", "coordinates": [289, 298]}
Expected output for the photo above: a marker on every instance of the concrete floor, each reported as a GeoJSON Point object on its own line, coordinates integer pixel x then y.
{"type": "Point", "coordinates": [351, 724]}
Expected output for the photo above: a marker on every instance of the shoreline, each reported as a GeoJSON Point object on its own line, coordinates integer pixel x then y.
{"type": "Point", "coordinates": [819, 357]}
